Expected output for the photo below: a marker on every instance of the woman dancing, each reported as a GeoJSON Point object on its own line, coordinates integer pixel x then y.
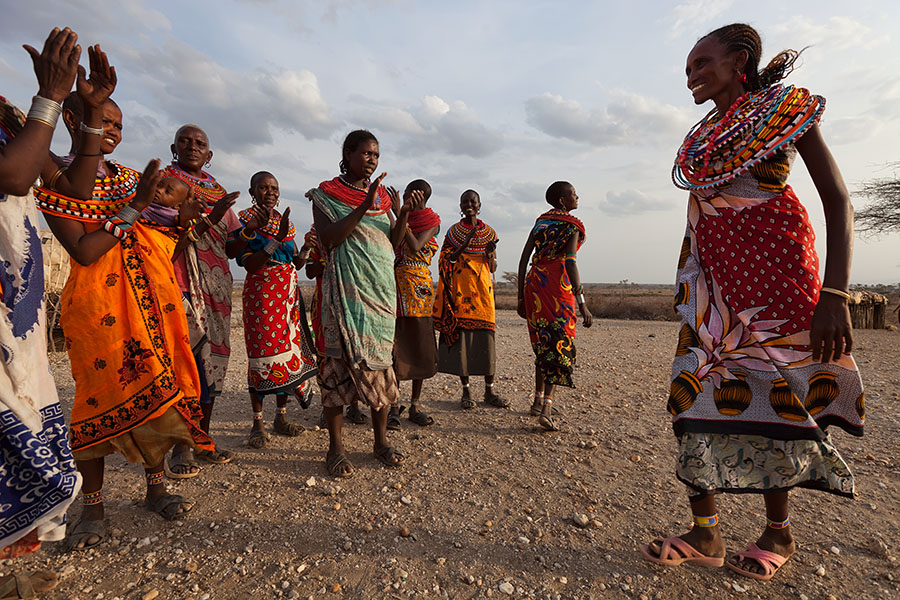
{"type": "Point", "coordinates": [547, 297]}
{"type": "Point", "coordinates": [464, 302]}
{"type": "Point", "coordinates": [280, 352]}
{"type": "Point", "coordinates": [763, 361]}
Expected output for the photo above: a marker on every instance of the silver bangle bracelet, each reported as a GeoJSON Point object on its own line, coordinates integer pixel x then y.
{"type": "Point", "coordinates": [271, 246]}
{"type": "Point", "coordinates": [91, 130]}
{"type": "Point", "coordinates": [44, 111]}
{"type": "Point", "coordinates": [129, 215]}
{"type": "Point", "coordinates": [580, 299]}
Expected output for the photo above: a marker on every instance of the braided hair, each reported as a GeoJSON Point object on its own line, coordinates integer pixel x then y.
{"type": "Point", "coordinates": [352, 142]}
{"type": "Point", "coordinates": [740, 36]}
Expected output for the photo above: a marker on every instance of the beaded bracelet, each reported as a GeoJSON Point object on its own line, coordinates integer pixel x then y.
{"type": "Point", "coordinates": [192, 235]}
{"type": "Point", "coordinates": [117, 227]}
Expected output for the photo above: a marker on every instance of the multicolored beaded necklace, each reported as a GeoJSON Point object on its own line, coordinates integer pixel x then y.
{"type": "Point", "coordinates": [205, 186]}
{"type": "Point", "coordinates": [717, 150]}
{"type": "Point", "coordinates": [485, 234]}
{"type": "Point", "coordinates": [111, 193]}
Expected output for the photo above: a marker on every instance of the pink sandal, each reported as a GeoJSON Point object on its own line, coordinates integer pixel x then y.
{"type": "Point", "coordinates": [769, 561]}
{"type": "Point", "coordinates": [675, 551]}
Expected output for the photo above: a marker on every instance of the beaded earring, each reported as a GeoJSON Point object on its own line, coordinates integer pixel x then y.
{"type": "Point", "coordinates": [208, 163]}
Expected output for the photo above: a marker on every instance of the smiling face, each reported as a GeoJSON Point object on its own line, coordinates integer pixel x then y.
{"type": "Point", "coordinates": [112, 128]}
{"type": "Point", "coordinates": [192, 148]}
{"type": "Point", "coordinates": [363, 160]}
{"type": "Point", "coordinates": [171, 192]}
{"type": "Point", "coordinates": [265, 191]}
{"type": "Point", "coordinates": [569, 199]}
{"type": "Point", "coordinates": [470, 203]}
{"type": "Point", "coordinates": [712, 72]}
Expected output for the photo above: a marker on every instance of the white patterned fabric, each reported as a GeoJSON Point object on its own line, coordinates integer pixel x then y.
{"type": "Point", "coordinates": [38, 479]}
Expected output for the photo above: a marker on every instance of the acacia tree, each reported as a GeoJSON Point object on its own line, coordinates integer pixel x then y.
{"type": "Point", "coordinates": [882, 212]}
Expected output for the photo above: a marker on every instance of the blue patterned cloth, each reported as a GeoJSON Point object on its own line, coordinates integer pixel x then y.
{"type": "Point", "coordinates": [38, 479]}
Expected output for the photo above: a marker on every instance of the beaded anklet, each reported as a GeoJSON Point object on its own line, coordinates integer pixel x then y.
{"type": "Point", "coordinates": [155, 478]}
{"type": "Point", "coordinates": [778, 524]}
{"type": "Point", "coordinates": [92, 498]}
{"type": "Point", "coordinates": [710, 521]}
{"type": "Point", "coordinates": [257, 416]}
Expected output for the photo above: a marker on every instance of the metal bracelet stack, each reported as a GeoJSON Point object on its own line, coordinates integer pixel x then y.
{"type": "Point", "coordinates": [44, 111]}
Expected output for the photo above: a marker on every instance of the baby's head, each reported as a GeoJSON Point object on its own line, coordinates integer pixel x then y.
{"type": "Point", "coordinates": [171, 192]}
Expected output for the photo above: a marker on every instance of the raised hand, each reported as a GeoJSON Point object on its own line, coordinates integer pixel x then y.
{"type": "Point", "coordinates": [258, 219]}
{"type": "Point", "coordinates": [57, 64]}
{"type": "Point", "coordinates": [96, 91]}
{"type": "Point", "coordinates": [192, 207]}
{"type": "Point", "coordinates": [372, 198]}
{"type": "Point", "coordinates": [284, 226]}
{"type": "Point", "coordinates": [222, 207]}
{"type": "Point", "coordinates": [412, 202]}
{"type": "Point", "coordinates": [146, 188]}
{"type": "Point", "coordinates": [395, 198]}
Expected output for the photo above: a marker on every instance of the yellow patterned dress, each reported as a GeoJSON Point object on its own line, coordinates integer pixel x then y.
{"type": "Point", "coordinates": [415, 350]}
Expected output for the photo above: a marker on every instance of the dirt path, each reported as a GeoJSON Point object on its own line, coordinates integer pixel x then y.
{"type": "Point", "coordinates": [487, 499]}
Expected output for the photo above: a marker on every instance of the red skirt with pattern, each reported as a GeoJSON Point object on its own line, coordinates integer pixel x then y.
{"type": "Point", "coordinates": [280, 352]}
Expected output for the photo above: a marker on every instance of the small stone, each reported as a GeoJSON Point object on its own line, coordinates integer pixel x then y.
{"type": "Point", "coordinates": [635, 458]}
{"type": "Point", "coordinates": [144, 542]}
{"type": "Point", "coordinates": [191, 567]}
{"type": "Point", "coordinates": [488, 523]}
{"type": "Point", "coordinates": [406, 500]}
{"type": "Point", "coordinates": [402, 574]}
{"type": "Point", "coordinates": [878, 548]}
{"type": "Point", "coordinates": [285, 584]}
{"type": "Point", "coordinates": [563, 580]}
{"type": "Point", "coordinates": [311, 482]}
{"type": "Point", "coordinates": [368, 527]}
{"type": "Point", "coordinates": [336, 588]}
{"type": "Point", "coordinates": [738, 588]}
{"type": "Point", "coordinates": [835, 550]}
{"type": "Point", "coordinates": [337, 506]}
{"type": "Point", "coordinates": [470, 580]}
{"type": "Point", "coordinates": [404, 531]}
{"type": "Point", "coordinates": [581, 519]}
{"type": "Point", "coordinates": [821, 571]}
{"type": "Point", "coordinates": [347, 546]}
{"type": "Point", "coordinates": [523, 540]}
{"type": "Point", "coordinates": [398, 486]}
{"type": "Point", "coordinates": [440, 560]}
{"type": "Point", "coordinates": [150, 595]}
{"type": "Point", "coordinates": [507, 588]}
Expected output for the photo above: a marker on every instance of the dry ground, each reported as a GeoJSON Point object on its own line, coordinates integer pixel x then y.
{"type": "Point", "coordinates": [487, 499]}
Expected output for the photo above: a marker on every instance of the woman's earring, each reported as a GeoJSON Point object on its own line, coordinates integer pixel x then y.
{"type": "Point", "coordinates": [174, 156]}
{"type": "Point", "coordinates": [208, 163]}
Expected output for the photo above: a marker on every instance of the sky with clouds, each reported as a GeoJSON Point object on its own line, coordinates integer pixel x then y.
{"type": "Point", "coordinates": [504, 97]}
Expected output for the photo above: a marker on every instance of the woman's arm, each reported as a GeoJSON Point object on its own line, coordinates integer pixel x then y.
{"type": "Point", "coordinates": [575, 279]}
{"type": "Point", "coordinates": [416, 242]}
{"type": "Point", "coordinates": [258, 259]}
{"type": "Point", "coordinates": [55, 67]}
{"type": "Point", "coordinates": [77, 180]}
{"type": "Point", "coordinates": [87, 248]}
{"type": "Point", "coordinates": [831, 332]}
{"type": "Point", "coordinates": [490, 255]}
{"type": "Point", "coordinates": [520, 275]}
{"type": "Point", "coordinates": [454, 255]}
{"type": "Point", "coordinates": [334, 234]}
